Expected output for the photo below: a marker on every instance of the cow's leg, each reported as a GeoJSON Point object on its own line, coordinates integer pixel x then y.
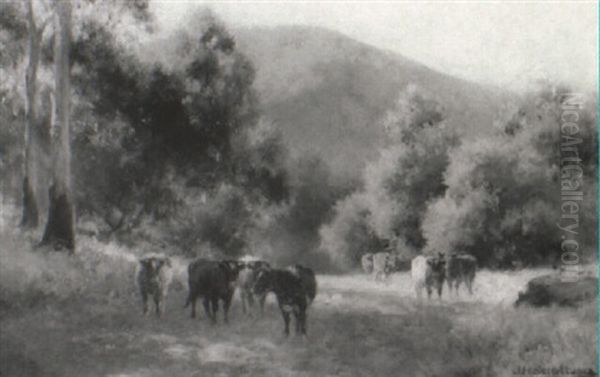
{"type": "Point", "coordinates": [261, 302]}
{"type": "Point", "coordinates": [193, 302]}
{"type": "Point", "coordinates": [226, 306]}
{"type": "Point", "coordinates": [206, 304]}
{"type": "Point", "coordinates": [163, 302]}
{"type": "Point", "coordinates": [215, 307]}
{"type": "Point", "coordinates": [429, 290]}
{"type": "Point", "coordinates": [243, 296]}
{"type": "Point", "coordinates": [302, 319]}
{"type": "Point", "coordinates": [456, 286]}
{"type": "Point", "coordinates": [470, 286]}
{"type": "Point", "coordinates": [145, 302]}
{"type": "Point", "coordinates": [296, 321]}
{"type": "Point", "coordinates": [156, 298]}
{"type": "Point", "coordinates": [440, 287]}
{"type": "Point", "coordinates": [286, 320]}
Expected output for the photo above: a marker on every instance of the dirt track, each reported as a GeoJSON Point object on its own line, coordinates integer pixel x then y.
{"type": "Point", "coordinates": [356, 328]}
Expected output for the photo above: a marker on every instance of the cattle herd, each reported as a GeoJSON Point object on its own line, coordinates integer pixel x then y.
{"type": "Point", "coordinates": [295, 287]}
{"type": "Point", "coordinates": [216, 281]}
{"type": "Point", "coordinates": [427, 273]}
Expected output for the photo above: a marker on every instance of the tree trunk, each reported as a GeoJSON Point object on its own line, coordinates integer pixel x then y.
{"type": "Point", "coordinates": [30, 216]}
{"type": "Point", "coordinates": [59, 230]}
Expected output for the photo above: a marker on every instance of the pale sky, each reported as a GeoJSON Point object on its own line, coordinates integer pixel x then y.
{"type": "Point", "coordinates": [504, 43]}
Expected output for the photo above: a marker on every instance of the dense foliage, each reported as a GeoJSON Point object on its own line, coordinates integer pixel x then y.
{"type": "Point", "coordinates": [171, 150]}
{"type": "Point", "coordinates": [497, 197]}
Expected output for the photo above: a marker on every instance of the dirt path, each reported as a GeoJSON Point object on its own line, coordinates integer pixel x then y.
{"type": "Point", "coordinates": [378, 331]}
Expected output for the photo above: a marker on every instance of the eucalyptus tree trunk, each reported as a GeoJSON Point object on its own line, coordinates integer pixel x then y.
{"type": "Point", "coordinates": [30, 215]}
{"type": "Point", "coordinates": [59, 230]}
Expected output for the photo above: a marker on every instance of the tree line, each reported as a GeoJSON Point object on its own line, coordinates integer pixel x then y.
{"type": "Point", "coordinates": [102, 135]}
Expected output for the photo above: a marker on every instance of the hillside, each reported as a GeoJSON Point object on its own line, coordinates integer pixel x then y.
{"type": "Point", "coordinates": [328, 91]}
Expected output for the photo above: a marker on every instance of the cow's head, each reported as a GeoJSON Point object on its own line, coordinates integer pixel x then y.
{"type": "Point", "coordinates": [152, 265]}
{"type": "Point", "coordinates": [263, 282]}
{"type": "Point", "coordinates": [232, 268]}
{"type": "Point", "coordinates": [258, 265]}
{"type": "Point", "coordinates": [436, 264]}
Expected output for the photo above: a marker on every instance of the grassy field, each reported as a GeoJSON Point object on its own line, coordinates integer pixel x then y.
{"type": "Point", "coordinates": [81, 317]}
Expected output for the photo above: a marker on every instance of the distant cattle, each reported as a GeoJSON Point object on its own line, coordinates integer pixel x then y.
{"type": "Point", "coordinates": [382, 265]}
{"type": "Point", "coordinates": [214, 281]}
{"type": "Point", "coordinates": [460, 268]}
{"type": "Point", "coordinates": [367, 263]}
{"type": "Point", "coordinates": [245, 282]}
{"type": "Point", "coordinates": [428, 273]}
{"type": "Point", "coordinates": [292, 292]}
{"type": "Point", "coordinates": [153, 277]}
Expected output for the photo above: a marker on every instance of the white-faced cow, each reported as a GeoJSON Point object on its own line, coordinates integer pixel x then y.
{"type": "Point", "coordinates": [153, 277]}
{"type": "Point", "coordinates": [382, 265]}
{"type": "Point", "coordinates": [428, 273]}
{"type": "Point", "coordinates": [366, 262]}
{"type": "Point", "coordinates": [245, 282]}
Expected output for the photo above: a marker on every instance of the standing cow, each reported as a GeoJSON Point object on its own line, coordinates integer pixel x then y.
{"type": "Point", "coordinates": [428, 273]}
{"type": "Point", "coordinates": [367, 263]}
{"type": "Point", "coordinates": [213, 281]}
{"type": "Point", "coordinates": [381, 265]}
{"type": "Point", "coordinates": [153, 277]}
{"type": "Point", "coordinates": [245, 282]}
{"type": "Point", "coordinates": [460, 268]}
{"type": "Point", "coordinates": [291, 292]}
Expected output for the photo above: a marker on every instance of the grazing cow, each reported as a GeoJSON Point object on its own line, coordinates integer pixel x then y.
{"type": "Point", "coordinates": [291, 295]}
{"type": "Point", "coordinates": [382, 265]}
{"type": "Point", "coordinates": [245, 282]}
{"type": "Point", "coordinates": [367, 263]}
{"type": "Point", "coordinates": [153, 277]}
{"type": "Point", "coordinates": [213, 281]}
{"type": "Point", "coordinates": [460, 268]}
{"type": "Point", "coordinates": [428, 273]}
{"type": "Point", "coordinates": [309, 281]}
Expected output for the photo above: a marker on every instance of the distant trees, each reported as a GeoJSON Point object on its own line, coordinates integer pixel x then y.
{"type": "Point", "coordinates": [398, 185]}
{"type": "Point", "coordinates": [503, 198]}
{"type": "Point", "coordinates": [497, 197]}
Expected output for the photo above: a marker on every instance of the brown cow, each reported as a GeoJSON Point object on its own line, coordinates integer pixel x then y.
{"type": "Point", "coordinates": [153, 277]}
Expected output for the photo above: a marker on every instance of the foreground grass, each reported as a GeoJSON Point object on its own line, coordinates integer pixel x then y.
{"type": "Point", "coordinates": [356, 328]}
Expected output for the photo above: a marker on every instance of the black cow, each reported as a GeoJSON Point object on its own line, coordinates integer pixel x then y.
{"type": "Point", "coordinates": [214, 281]}
{"type": "Point", "coordinates": [309, 281]}
{"type": "Point", "coordinates": [292, 294]}
{"type": "Point", "coordinates": [460, 268]}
